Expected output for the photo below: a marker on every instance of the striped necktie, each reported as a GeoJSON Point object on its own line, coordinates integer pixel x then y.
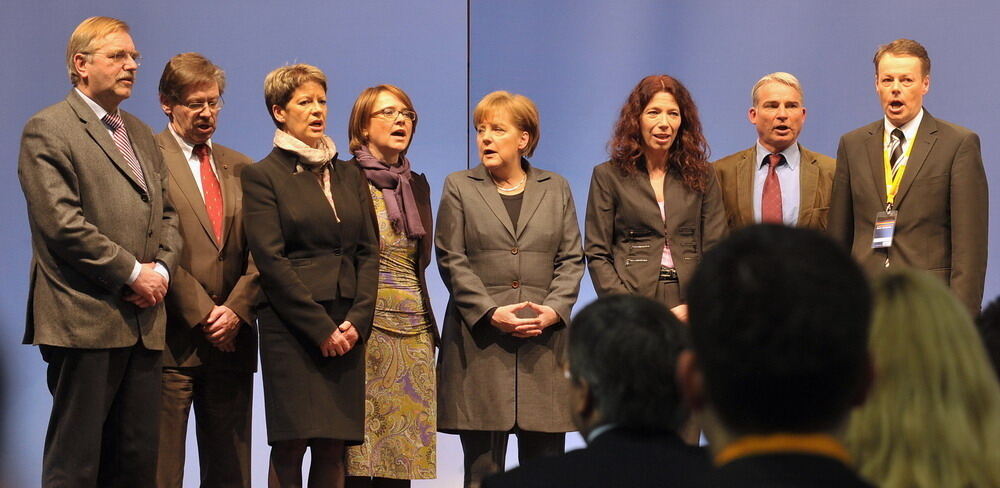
{"type": "Point", "coordinates": [117, 126]}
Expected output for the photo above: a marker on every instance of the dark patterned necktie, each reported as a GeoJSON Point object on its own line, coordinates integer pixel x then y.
{"type": "Point", "coordinates": [120, 136]}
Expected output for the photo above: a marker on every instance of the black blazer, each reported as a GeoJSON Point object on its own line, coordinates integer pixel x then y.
{"type": "Point", "coordinates": [625, 233]}
{"type": "Point", "coordinates": [618, 457]}
{"type": "Point", "coordinates": [305, 256]}
{"type": "Point", "coordinates": [786, 470]}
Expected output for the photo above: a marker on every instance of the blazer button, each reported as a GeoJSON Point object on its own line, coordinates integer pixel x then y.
{"type": "Point", "coordinates": [336, 252]}
{"type": "Point", "coordinates": [515, 284]}
{"type": "Point", "coordinates": [150, 234]}
{"type": "Point", "coordinates": [513, 250]}
{"type": "Point", "coordinates": [222, 258]}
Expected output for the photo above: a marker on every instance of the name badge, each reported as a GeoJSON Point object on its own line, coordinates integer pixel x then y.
{"type": "Point", "coordinates": [885, 226]}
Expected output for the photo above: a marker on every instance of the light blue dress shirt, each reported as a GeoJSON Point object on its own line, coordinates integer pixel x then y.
{"type": "Point", "coordinates": [788, 179]}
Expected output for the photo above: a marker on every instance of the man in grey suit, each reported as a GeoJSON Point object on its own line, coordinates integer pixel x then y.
{"type": "Point", "coordinates": [211, 351]}
{"type": "Point", "coordinates": [795, 189]}
{"type": "Point", "coordinates": [916, 180]}
{"type": "Point", "coordinates": [103, 241]}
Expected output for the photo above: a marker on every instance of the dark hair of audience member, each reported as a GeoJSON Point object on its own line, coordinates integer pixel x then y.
{"type": "Point", "coordinates": [626, 348]}
{"type": "Point", "coordinates": [779, 322]}
{"type": "Point", "coordinates": [988, 324]}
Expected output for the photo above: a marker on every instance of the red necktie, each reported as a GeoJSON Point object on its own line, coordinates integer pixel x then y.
{"type": "Point", "coordinates": [770, 204]}
{"type": "Point", "coordinates": [213, 192]}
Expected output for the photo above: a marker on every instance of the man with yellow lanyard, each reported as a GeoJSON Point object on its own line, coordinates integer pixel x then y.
{"type": "Point", "coordinates": [910, 189]}
{"type": "Point", "coordinates": [779, 355]}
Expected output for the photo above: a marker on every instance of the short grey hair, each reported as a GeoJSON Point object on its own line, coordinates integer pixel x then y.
{"type": "Point", "coordinates": [777, 77]}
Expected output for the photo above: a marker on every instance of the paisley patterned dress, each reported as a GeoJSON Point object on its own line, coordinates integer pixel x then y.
{"type": "Point", "coordinates": [400, 398]}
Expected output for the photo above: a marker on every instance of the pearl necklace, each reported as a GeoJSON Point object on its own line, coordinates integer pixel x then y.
{"type": "Point", "coordinates": [513, 188]}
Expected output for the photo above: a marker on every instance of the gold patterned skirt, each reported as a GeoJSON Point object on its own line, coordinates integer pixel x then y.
{"type": "Point", "coordinates": [400, 401]}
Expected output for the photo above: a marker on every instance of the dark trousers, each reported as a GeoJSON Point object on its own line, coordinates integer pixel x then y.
{"type": "Point", "coordinates": [222, 404]}
{"type": "Point", "coordinates": [104, 424]}
{"type": "Point", "coordinates": [486, 451]}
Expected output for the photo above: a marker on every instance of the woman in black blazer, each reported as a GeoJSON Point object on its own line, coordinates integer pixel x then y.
{"type": "Point", "coordinates": [656, 206]}
{"type": "Point", "coordinates": [308, 224]}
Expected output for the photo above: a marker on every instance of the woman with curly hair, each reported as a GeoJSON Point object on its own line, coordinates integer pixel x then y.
{"type": "Point", "coordinates": [656, 206]}
{"type": "Point", "coordinates": [933, 417]}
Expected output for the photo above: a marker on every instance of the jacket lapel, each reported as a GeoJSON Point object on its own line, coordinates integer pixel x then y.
{"type": "Point", "coordinates": [745, 169]}
{"type": "Point", "coordinates": [926, 137]}
{"type": "Point", "coordinates": [808, 180]}
{"type": "Point", "coordinates": [227, 181]}
{"type": "Point", "coordinates": [179, 169]}
{"type": "Point", "coordinates": [534, 192]}
{"type": "Point", "coordinates": [873, 146]}
{"type": "Point", "coordinates": [488, 191]}
{"type": "Point", "coordinates": [99, 132]}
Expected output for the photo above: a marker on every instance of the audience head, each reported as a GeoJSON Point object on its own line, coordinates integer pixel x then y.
{"type": "Point", "coordinates": [384, 121]}
{"type": "Point", "coordinates": [777, 110]}
{"type": "Point", "coordinates": [988, 323]}
{"type": "Point", "coordinates": [623, 353]}
{"type": "Point", "coordinates": [660, 106]}
{"type": "Point", "coordinates": [933, 418]}
{"type": "Point", "coordinates": [779, 326]}
{"type": "Point", "coordinates": [191, 89]}
{"type": "Point", "coordinates": [296, 99]}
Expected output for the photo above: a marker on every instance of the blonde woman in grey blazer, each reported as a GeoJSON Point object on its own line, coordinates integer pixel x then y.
{"type": "Point", "coordinates": [510, 254]}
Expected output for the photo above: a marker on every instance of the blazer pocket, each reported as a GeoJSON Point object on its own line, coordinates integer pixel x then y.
{"type": "Point", "coordinates": [319, 274]}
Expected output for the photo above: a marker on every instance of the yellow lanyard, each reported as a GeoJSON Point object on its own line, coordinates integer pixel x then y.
{"type": "Point", "coordinates": [892, 181]}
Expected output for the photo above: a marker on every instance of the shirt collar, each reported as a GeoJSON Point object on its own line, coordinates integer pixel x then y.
{"type": "Point", "coordinates": [99, 110]}
{"type": "Point", "coordinates": [186, 147]}
{"type": "Point", "coordinates": [791, 154]}
{"type": "Point", "coordinates": [909, 129]}
{"type": "Point", "coordinates": [813, 444]}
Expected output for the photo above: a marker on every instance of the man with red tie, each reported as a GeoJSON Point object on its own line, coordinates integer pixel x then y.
{"type": "Point", "coordinates": [104, 243]}
{"type": "Point", "coordinates": [211, 351]}
{"type": "Point", "coordinates": [777, 180]}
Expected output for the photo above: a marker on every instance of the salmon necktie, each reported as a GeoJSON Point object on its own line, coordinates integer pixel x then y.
{"type": "Point", "coordinates": [770, 205]}
{"type": "Point", "coordinates": [213, 192]}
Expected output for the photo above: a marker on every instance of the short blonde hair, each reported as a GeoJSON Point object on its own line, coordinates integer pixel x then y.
{"type": "Point", "coordinates": [521, 110]}
{"type": "Point", "coordinates": [280, 84]}
{"type": "Point", "coordinates": [84, 38]}
{"type": "Point", "coordinates": [933, 419]}
{"type": "Point", "coordinates": [777, 77]}
{"type": "Point", "coordinates": [357, 125]}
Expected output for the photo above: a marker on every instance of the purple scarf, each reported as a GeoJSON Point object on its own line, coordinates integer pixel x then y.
{"type": "Point", "coordinates": [394, 181]}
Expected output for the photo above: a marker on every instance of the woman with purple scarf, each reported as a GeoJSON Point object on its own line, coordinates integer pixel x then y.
{"type": "Point", "coordinates": [400, 406]}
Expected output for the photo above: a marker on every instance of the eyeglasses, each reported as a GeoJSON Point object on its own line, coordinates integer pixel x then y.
{"type": "Point", "coordinates": [390, 113]}
{"type": "Point", "coordinates": [213, 105]}
{"type": "Point", "coordinates": [119, 57]}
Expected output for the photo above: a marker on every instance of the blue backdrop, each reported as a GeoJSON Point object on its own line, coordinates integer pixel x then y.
{"type": "Point", "coordinates": [577, 59]}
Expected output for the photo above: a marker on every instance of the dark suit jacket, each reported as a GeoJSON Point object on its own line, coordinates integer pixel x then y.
{"type": "Point", "coordinates": [422, 194]}
{"type": "Point", "coordinates": [784, 470]}
{"type": "Point", "coordinates": [90, 221]}
{"type": "Point", "coordinates": [943, 205]}
{"type": "Point", "coordinates": [618, 457]}
{"type": "Point", "coordinates": [625, 233]}
{"type": "Point", "coordinates": [488, 380]}
{"type": "Point", "coordinates": [304, 255]}
{"type": "Point", "coordinates": [208, 273]}
{"type": "Point", "coordinates": [736, 174]}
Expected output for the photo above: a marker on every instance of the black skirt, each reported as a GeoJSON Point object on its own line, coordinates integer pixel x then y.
{"type": "Point", "coordinates": [307, 396]}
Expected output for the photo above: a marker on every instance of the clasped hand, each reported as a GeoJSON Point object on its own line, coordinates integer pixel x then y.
{"type": "Point", "coordinates": [505, 318]}
{"type": "Point", "coordinates": [221, 328]}
{"type": "Point", "coordinates": [341, 341]}
{"type": "Point", "coordinates": [148, 289]}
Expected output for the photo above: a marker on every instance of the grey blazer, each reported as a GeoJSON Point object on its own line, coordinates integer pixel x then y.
{"type": "Point", "coordinates": [943, 204]}
{"type": "Point", "coordinates": [90, 221]}
{"type": "Point", "coordinates": [489, 380]}
{"type": "Point", "coordinates": [625, 232]}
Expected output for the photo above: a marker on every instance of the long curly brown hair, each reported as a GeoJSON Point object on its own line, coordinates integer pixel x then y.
{"type": "Point", "coordinates": [689, 153]}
